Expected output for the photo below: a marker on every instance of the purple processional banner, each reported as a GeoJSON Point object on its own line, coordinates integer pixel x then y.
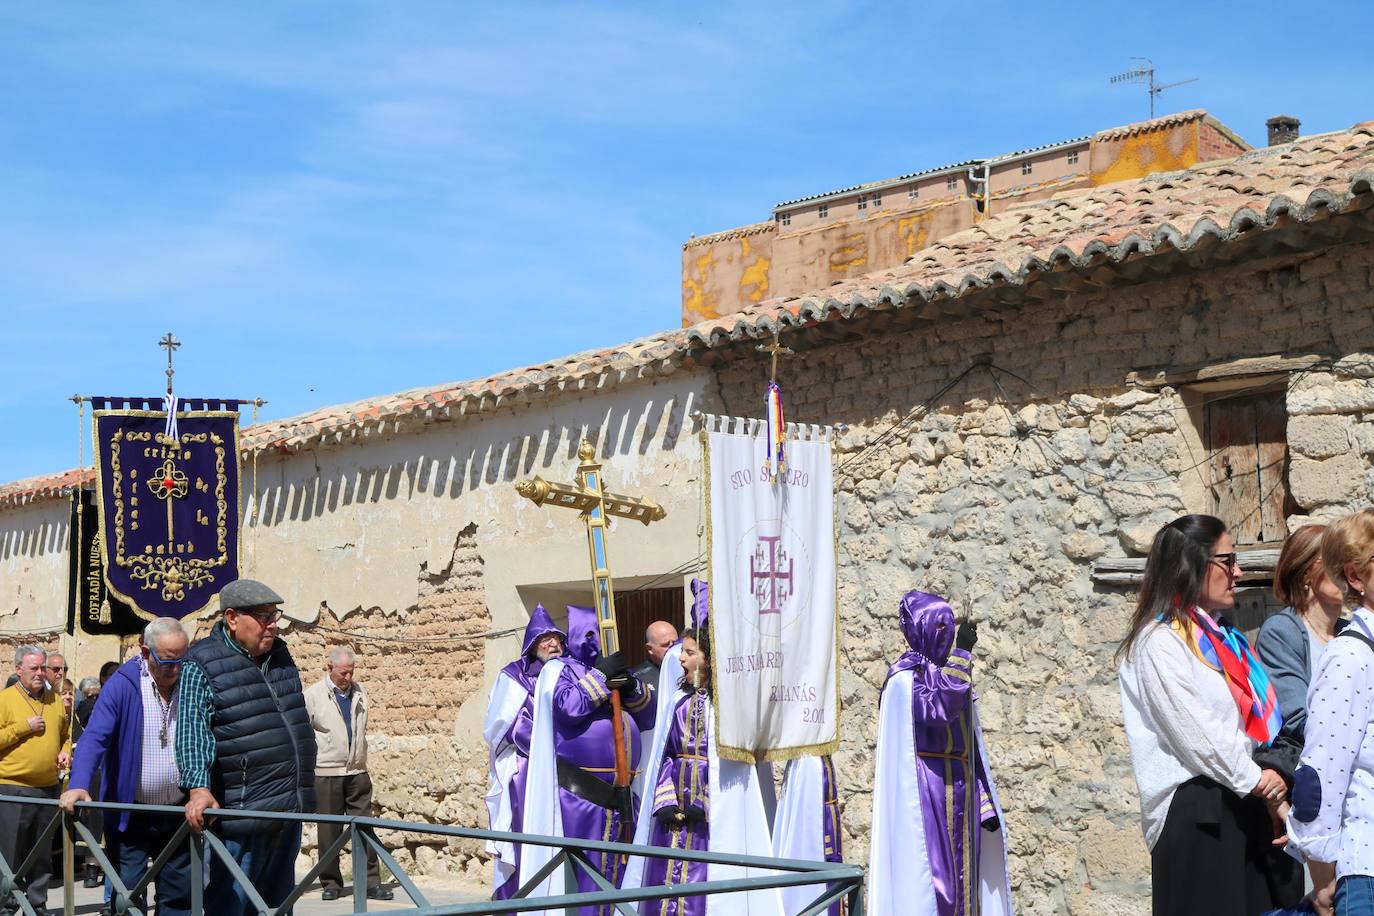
{"type": "Point", "coordinates": [169, 502]}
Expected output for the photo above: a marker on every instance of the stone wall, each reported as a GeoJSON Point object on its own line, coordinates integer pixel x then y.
{"type": "Point", "coordinates": [1003, 493]}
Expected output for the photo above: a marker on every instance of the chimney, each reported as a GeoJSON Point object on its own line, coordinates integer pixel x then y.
{"type": "Point", "coordinates": [1282, 129]}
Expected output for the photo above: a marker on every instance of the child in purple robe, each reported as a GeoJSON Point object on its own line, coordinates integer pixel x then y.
{"type": "Point", "coordinates": [682, 803]}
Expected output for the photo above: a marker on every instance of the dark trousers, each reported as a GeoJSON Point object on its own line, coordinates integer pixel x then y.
{"type": "Point", "coordinates": [133, 850]}
{"type": "Point", "coordinates": [1215, 858]}
{"type": "Point", "coordinates": [267, 857]}
{"type": "Point", "coordinates": [20, 826]}
{"type": "Point", "coordinates": [351, 795]}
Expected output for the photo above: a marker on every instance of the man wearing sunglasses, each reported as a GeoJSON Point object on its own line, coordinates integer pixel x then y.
{"type": "Point", "coordinates": [244, 742]}
{"type": "Point", "coordinates": [131, 738]}
{"type": "Point", "coordinates": [55, 670]}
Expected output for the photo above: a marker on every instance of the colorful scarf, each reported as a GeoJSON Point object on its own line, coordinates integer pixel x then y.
{"type": "Point", "coordinates": [1227, 650]}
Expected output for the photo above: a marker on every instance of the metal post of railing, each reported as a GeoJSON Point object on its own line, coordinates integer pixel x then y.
{"type": "Point", "coordinates": [359, 853]}
{"type": "Point", "coordinates": [856, 900]}
{"type": "Point", "coordinates": [197, 875]}
{"type": "Point", "coordinates": [569, 880]}
{"type": "Point", "coordinates": [68, 869]}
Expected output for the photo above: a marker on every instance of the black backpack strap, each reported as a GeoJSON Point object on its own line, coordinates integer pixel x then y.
{"type": "Point", "coordinates": [1356, 634]}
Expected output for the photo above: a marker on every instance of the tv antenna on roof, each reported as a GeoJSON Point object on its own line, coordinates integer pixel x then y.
{"type": "Point", "coordinates": [1143, 71]}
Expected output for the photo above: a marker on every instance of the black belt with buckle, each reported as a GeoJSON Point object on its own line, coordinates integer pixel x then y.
{"type": "Point", "coordinates": [588, 787]}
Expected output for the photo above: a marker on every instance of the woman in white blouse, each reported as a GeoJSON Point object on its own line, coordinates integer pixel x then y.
{"type": "Point", "coordinates": [1332, 818]}
{"type": "Point", "coordinates": [1197, 705]}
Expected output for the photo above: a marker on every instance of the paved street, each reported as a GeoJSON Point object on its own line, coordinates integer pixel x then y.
{"type": "Point", "coordinates": [88, 900]}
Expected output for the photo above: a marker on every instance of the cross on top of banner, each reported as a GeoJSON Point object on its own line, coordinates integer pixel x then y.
{"type": "Point", "coordinates": [169, 343]}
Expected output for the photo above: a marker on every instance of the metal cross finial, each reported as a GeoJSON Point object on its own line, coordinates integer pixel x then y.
{"type": "Point", "coordinates": [170, 343]}
{"type": "Point", "coordinates": [774, 349]}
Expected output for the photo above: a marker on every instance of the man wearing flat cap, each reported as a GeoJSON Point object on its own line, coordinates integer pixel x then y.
{"type": "Point", "coordinates": [244, 741]}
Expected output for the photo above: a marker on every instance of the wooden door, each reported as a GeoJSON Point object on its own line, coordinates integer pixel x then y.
{"type": "Point", "coordinates": [1248, 464]}
{"type": "Point", "coordinates": [635, 610]}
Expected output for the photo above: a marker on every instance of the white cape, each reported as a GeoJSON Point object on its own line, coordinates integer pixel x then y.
{"type": "Point", "coordinates": [543, 814]}
{"type": "Point", "coordinates": [799, 830]}
{"type": "Point", "coordinates": [899, 877]}
{"type": "Point", "coordinates": [503, 707]}
{"type": "Point", "coordinates": [670, 672]}
{"type": "Point", "coordinates": [741, 808]}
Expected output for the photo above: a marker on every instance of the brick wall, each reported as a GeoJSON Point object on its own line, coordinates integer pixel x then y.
{"type": "Point", "coordinates": [1214, 144]}
{"type": "Point", "coordinates": [1001, 498]}
{"type": "Point", "coordinates": [418, 667]}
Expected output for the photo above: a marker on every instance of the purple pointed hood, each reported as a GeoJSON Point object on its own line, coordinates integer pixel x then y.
{"type": "Point", "coordinates": [541, 624]}
{"type": "Point", "coordinates": [584, 635]}
{"type": "Point", "coordinates": [927, 622]}
{"type": "Point", "coordinates": [701, 604]}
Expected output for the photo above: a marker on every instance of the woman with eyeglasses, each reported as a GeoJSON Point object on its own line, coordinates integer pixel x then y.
{"type": "Point", "coordinates": [1332, 818]}
{"type": "Point", "coordinates": [1197, 706]}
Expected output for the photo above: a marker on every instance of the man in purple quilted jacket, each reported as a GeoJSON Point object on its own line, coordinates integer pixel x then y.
{"type": "Point", "coordinates": [132, 736]}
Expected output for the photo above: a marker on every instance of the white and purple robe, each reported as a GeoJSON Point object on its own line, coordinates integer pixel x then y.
{"type": "Point", "coordinates": [507, 730]}
{"type": "Point", "coordinates": [937, 846]}
{"type": "Point", "coordinates": [807, 825]}
{"type": "Point", "coordinates": [732, 805]}
{"type": "Point", "coordinates": [572, 727]}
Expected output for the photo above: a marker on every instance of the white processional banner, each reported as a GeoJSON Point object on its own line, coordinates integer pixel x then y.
{"type": "Point", "coordinates": [774, 621]}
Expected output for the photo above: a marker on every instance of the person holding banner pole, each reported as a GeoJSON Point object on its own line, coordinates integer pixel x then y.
{"type": "Point", "coordinates": [701, 801]}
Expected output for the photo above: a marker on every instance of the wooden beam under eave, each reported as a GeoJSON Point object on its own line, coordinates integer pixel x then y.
{"type": "Point", "coordinates": [1173, 376]}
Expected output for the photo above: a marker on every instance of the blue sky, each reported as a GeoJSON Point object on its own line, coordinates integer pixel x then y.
{"type": "Point", "coordinates": [330, 201]}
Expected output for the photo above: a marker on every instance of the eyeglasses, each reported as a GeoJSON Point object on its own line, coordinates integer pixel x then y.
{"type": "Point", "coordinates": [61, 668]}
{"type": "Point", "coordinates": [263, 617]}
{"type": "Point", "coordinates": [165, 662]}
{"type": "Point", "coordinates": [1228, 560]}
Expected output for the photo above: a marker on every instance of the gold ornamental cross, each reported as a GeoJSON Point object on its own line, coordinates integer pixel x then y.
{"type": "Point", "coordinates": [589, 497]}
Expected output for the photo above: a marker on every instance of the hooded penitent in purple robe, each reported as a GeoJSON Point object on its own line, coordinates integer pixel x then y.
{"type": "Point", "coordinates": [507, 731]}
{"type": "Point", "coordinates": [583, 738]}
{"type": "Point", "coordinates": [929, 851]}
{"type": "Point", "coordinates": [584, 635]}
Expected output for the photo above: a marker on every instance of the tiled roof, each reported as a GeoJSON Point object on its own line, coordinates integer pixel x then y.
{"type": "Point", "coordinates": [1175, 211]}
{"type": "Point", "coordinates": [1115, 133]}
{"type": "Point", "coordinates": [737, 233]}
{"type": "Point", "coordinates": [880, 183]}
{"type": "Point", "coordinates": [1141, 127]}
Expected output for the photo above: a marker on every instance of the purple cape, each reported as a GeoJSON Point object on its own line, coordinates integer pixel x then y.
{"type": "Point", "coordinates": [583, 737]}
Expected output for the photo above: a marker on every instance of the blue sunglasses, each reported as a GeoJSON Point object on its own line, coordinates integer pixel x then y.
{"type": "Point", "coordinates": [169, 662]}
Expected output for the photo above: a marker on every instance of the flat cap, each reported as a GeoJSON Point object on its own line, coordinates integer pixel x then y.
{"type": "Point", "coordinates": [246, 593]}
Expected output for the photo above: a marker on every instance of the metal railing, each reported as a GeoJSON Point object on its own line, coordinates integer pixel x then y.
{"type": "Point", "coordinates": [835, 881]}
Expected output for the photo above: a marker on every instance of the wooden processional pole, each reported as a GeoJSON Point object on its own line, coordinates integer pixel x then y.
{"type": "Point", "coordinates": [589, 497]}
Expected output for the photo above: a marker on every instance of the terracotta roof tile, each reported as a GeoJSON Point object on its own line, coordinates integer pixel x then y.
{"type": "Point", "coordinates": [1221, 200]}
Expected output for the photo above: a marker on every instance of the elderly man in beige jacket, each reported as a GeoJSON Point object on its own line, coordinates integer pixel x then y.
{"type": "Point", "coordinates": [338, 713]}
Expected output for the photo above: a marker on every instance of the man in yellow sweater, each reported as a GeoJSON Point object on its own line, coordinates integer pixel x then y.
{"type": "Point", "coordinates": [35, 742]}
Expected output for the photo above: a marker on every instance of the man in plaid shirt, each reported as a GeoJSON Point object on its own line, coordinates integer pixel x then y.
{"type": "Point", "coordinates": [245, 743]}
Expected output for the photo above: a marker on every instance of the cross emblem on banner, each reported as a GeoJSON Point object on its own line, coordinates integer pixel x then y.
{"type": "Point", "coordinates": [771, 585]}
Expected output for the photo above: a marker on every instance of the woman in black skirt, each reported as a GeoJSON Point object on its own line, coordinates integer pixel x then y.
{"type": "Point", "coordinates": [1198, 707]}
